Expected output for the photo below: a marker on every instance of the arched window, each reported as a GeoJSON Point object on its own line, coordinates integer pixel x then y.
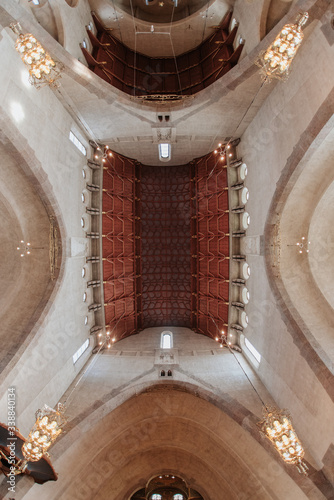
{"type": "Point", "coordinates": [178, 496]}
{"type": "Point", "coordinates": [166, 340]}
{"type": "Point", "coordinates": [156, 496]}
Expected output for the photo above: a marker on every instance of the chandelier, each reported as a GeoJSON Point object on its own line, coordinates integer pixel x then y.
{"type": "Point", "coordinates": [43, 70]}
{"type": "Point", "coordinates": [102, 153]}
{"type": "Point", "coordinates": [24, 248]}
{"type": "Point", "coordinates": [302, 246]}
{"type": "Point", "coordinates": [277, 427]}
{"type": "Point", "coordinates": [275, 61]}
{"type": "Point", "coordinates": [48, 426]}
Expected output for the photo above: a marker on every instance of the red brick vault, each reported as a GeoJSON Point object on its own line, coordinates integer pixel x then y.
{"type": "Point", "coordinates": [165, 245]}
{"type": "Point", "coordinates": [166, 266]}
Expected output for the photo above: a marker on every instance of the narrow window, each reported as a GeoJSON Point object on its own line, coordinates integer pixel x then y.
{"type": "Point", "coordinates": [164, 151]}
{"type": "Point", "coordinates": [252, 349]}
{"type": "Point", "coordinates": [80, 351]}
{"type": "Point", "coordinates": [166, 340]}
{"type": "Point", "coordinates": [78, 144]}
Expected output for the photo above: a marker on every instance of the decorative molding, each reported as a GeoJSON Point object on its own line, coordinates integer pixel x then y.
{"type": "Point", "coordinates": [166, 357]}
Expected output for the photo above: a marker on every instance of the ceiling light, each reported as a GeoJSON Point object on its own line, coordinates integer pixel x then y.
{"type": "Point", "coordinates": [24, 248]}
{"type": "Point", "coordinates": [277, 427]}
{"type": "Point", "coordinates": [43, 69]}
{"type": "Point", "coordinates": [275, 61]}
{"type": "Point", "coordinates": [303, 245]}
{"type": "Point", "coordinates": [48, 426]}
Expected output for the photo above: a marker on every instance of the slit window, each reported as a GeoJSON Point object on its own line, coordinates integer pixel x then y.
{"type": "Point", "coordinates": [78, 144]}
{"type": "Point", "coordinates": [80, 351]}
{"type": "Point", "coordinates": [252, 350]}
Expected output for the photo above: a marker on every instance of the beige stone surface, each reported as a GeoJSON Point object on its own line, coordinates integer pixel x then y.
{"type": "Point", "coordinates": [125, 423]}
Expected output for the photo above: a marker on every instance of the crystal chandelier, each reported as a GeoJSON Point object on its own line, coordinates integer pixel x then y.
{"type": "Point", "coordinates": [275, 61]}
{"type": "Point", "coordinates": [43, 70]}
{"type": "Point", "coordinates": [277, 427]}
{"type": "Point", "coordinates": [48, 426]}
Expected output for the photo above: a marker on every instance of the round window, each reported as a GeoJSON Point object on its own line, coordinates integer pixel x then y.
{"type": "Point", "coordinates": [245, 295]}
{"type": "Point", "coordinates": [245, 220]}
{"type": "Point", "coordinates": [244, 319]}
{"type": "Point", "coordinates": [245, 271]}
{"type": "Point", "coordinates": [243, 171]}
{"type": "Point", "coordinates": [244, 195]}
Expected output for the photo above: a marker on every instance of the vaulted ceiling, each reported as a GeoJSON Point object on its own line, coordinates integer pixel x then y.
{"type": "Point", "coordinates": [166, 245]}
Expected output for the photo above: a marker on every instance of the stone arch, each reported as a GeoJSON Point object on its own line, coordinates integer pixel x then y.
{"type": "Point", "coordinates": [311, 329]}
{"type": "Point", "coordinates": [175, 428]}
{"type": "Point", "coordinates": [26, 198]}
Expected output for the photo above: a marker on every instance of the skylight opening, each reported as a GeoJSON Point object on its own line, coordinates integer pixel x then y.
{"type": "Point", "coordinates": [78, 144]}
{"type": "Point", "coordinates": [80, 351]}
